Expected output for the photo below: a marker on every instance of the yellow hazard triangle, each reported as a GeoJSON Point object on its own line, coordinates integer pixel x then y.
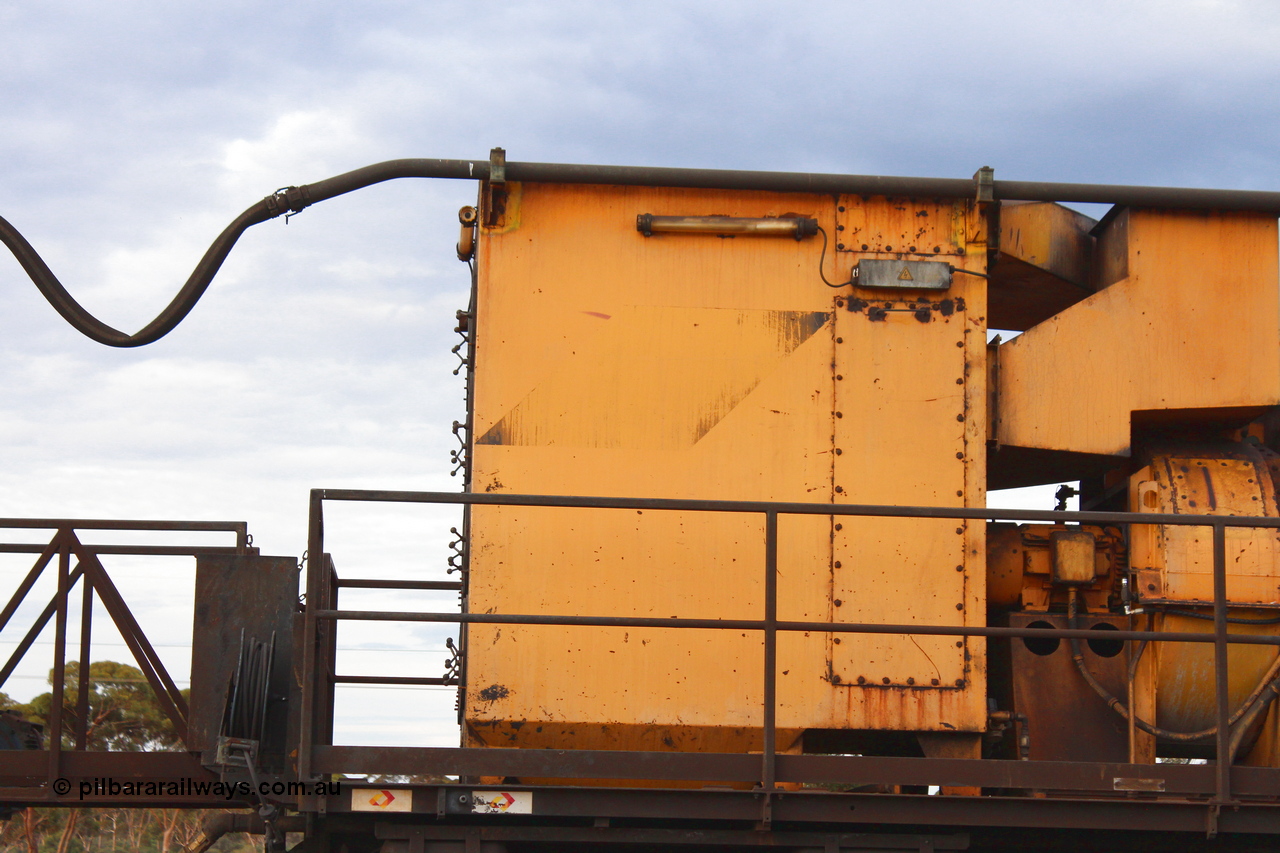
{"type": "Point", "coordinates": [905, 275]}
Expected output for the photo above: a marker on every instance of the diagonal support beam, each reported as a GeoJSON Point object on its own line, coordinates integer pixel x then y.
{"type": "Point", "coordinates": [167, 693]}
{"type": "Point", "coordinates": [41, 621]}
{"type": "Point", "coordinates": [29, 581]}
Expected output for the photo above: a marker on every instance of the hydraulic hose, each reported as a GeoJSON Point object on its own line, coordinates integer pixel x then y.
{"type": "Point", "coordinates": [289, 200]}
{"type": "Point", "coordinates": [294, 199]}
{"type": "Point", "coordinates": [173, 314]}
{"type": "Point", "coordinates": [1267, 690]}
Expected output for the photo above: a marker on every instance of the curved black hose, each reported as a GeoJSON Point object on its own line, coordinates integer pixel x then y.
{"type": "Point", "coordinates": [289, 200]}
{"type": "Point", "coordinates": [1077, 655]}
{"type": "Point", "coordinates": [173, 314]}
{"type": "Point", "coordinates": [295, 199]}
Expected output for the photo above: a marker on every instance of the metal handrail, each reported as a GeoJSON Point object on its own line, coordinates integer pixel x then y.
{"type": "Point", "coordinates": [93, 577]}
{"type": "Point", "coordinates": [770, 625]}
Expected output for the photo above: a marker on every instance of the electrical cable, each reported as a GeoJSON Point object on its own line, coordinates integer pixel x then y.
{"type": "Point", "coordinates": [822, 257]}
{"type": "Point", "coordinates": [822, 260]}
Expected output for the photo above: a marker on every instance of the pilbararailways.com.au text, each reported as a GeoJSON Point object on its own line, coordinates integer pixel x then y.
{"type": "Point", "coordinates": [106, 787]}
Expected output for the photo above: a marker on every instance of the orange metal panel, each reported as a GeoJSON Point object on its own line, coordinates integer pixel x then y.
{"type": "Point", "coordinates": [916, 565]}
{"type": "Point", "coordinates": [902, 228]}
{"type": "Point", "coordinates": [695, 366]}
{"type": "Point", "coordinates": [1194, 325]}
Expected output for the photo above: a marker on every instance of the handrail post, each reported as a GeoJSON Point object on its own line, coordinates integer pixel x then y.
{"type": "Point", "coordinates": [1220, 660]}
{"type": "Point", "coordinates": [59, 659]}
{"type": "Point", "coordinates": [770, 726]}
{"type": "Point", "coordinates": [310, 672]}
{"type": "Point", "coordinates": [82, 683]}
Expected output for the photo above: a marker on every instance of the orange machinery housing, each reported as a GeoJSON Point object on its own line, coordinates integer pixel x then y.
{"type": "Point", "coordinates": [685, 343]}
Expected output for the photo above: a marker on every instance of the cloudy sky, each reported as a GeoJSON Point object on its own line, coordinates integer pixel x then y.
{"type": "Point", "coordinates": [132, 132]}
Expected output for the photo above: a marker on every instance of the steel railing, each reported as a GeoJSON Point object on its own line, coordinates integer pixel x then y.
{"type": "Point", "coordinates": [321, 614]}
{"type": "Point", "coordinates": [78, 563]}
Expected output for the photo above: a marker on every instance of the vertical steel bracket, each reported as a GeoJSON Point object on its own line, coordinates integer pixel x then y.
{"type": "Point", "coordinates": [985, 181]}
{"type": "Point", "coordinates": [495, 188]}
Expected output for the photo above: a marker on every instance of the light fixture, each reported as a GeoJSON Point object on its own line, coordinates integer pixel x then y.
{"type": "Point", "coordinates": [798, 227]}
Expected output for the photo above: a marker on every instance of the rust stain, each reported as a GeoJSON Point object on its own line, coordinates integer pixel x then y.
{"type": "Point", "coordinates": [1208, 485]}
{"type": "Point", "coordinates": [493, 693]}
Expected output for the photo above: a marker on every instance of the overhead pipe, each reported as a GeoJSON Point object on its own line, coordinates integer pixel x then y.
{"type": "Point", "coordinates": [295, 199]}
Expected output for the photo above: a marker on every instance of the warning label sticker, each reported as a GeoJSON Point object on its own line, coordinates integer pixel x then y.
{"type": "Point", "coordinates": [502, 802]}
{"type": "Point", "coordinates": [381, 799]}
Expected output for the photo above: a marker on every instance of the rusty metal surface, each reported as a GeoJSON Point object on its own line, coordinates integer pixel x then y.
{"type": "Point", "coordinates": [900, 370]}
{"type": "Point", "coordinates": [666, 838]}
{"type": "Point", "coordinates": [1081, 778]}
{"type": "Point", "coordinates": [1119, 824]}
{"type": "Point", "coordinates": [1146, 323]}
{"type": "Point", "coordinates": [241, 598]}
{"type": "Point", "coordinates": [26, 776]}
{"type": "Point", "coordinates": [1068, 720]}
{"type": "Point", "coordinates": [1043, 266]}
{"type": "Point", "coordinates": [647, 394]}
{"type": "Point", "coordinates": [1174, 563]}
{"type": "Point", "coordinates": [905, 228]}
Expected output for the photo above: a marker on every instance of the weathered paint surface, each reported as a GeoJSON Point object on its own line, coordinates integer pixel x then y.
{"type": "Point", "coordinates": [1174, 567]}
{"type": "Point", "coordinates": [1175, 563]}
{"type": "Point", "coordinates": [693, 366]}
{"type": "Point", "coordinates": [711, 358]}
{"type": "Point", "coordinates": [909, 562]}
{"type": "Point", "coordinates": [1185, 700]}
{"type": "Point", "coordinates": [1183, 330]}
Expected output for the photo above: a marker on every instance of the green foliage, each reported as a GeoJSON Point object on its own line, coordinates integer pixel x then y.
{"type": "Point", "coordinates": [124, 715]}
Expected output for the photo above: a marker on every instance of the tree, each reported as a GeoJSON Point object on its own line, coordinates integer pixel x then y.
{"type": "Point", "coordinates": [124, 715]}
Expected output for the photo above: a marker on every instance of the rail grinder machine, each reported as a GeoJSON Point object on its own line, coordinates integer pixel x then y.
{"type": "Point", "coordinates": [728, 576]}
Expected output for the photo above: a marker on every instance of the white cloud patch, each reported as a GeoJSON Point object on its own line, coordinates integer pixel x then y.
{"type": "Point", "coordinates": [307, 142]}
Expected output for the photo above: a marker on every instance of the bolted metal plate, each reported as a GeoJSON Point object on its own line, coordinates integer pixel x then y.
{"type": "Point", "coordinates": [909, 275]}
